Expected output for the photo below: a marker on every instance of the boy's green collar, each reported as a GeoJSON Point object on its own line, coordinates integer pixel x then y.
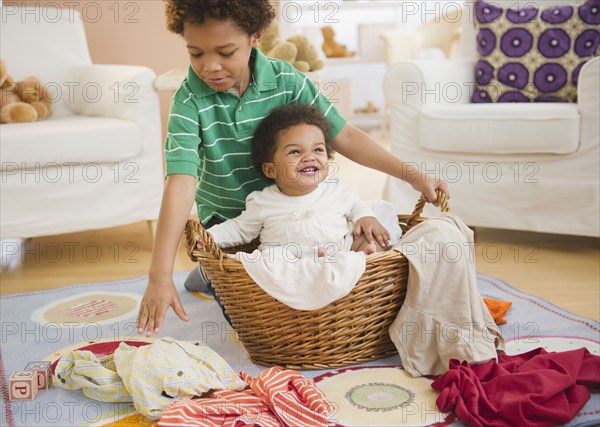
{"type": "Point", "coordinates": [264, 77]}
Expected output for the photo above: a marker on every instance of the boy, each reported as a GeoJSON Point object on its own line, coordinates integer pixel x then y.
{"type": "Point", "coordinates": [231, 86]}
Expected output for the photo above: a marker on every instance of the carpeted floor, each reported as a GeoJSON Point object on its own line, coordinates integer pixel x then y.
{"type": "Point", "coordinates": [43, 325]}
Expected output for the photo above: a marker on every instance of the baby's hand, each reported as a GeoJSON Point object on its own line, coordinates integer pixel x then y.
{"type": "Point", "coordinates": [199, 244]}
{"type": "Point", "coordinates": [373, 231]}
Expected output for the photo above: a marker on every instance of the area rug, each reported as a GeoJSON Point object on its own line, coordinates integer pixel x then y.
{"type": "Point", "coordinates": [97, 316]}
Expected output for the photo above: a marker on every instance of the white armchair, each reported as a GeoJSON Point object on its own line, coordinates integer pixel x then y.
{"type": "Point", "coordinates": [97, 161]}
{"type": "Point", "coordinates": [531, 166]}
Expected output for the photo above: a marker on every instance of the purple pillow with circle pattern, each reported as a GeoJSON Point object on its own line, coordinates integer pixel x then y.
{"type": "Point", "coordinates": [531, 54]}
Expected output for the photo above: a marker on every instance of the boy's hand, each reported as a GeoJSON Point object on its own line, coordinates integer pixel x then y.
{"type": "Point", "coordinates": [427, 185]}
{"type": "Point", "coordinates": [157, 298]}
{"type": "Point", "coordinates": [373, 231]}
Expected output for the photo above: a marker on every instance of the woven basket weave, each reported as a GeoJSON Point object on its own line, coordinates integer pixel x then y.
{"type": "Point", "coordinates": [351, 330]}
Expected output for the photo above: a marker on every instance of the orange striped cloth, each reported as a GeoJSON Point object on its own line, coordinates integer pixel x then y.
{"type": "Point", "coordinates": [276, 398]}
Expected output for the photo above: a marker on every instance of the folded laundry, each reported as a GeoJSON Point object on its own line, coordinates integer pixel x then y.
{"type": "Point", "coordinates": [151, 377]}
{"type": "Point", "coordinates": [533, 389]}
{"type": "Point", "coordinates": [276, 398]}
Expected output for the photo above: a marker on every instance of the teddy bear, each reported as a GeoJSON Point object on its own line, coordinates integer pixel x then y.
{"type": "Point", "coordinates": [22, 101]}
{"type": "Point", "coordinates": [307, 52]}
{"type": "Point", "coordinates": [297, 50]}
{"type": "Point", "coordinates": [331, 48]}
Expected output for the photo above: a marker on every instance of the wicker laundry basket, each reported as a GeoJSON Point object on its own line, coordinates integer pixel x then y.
{"type": "Point", "coordinates": [351, 330]}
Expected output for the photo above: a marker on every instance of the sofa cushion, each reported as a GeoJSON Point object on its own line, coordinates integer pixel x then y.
{"type": "Point", "coordinates": [533, 54]}
{"type": "Point", "coordinates": [71, 139]}
{"type": "Point", "coordinates": [500, 128]}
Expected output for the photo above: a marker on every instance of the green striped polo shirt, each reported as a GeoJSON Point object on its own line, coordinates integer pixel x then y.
{"type": "Point", "coordinates": [209, 133]}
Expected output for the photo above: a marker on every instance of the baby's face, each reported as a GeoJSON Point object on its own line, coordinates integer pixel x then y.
{"type": "Point", "coordinates": [219, 54]}
{"type": "Point", "coordinates": [300, 162]}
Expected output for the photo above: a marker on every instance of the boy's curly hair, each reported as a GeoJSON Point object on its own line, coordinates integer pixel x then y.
{"type": "Point", "coordinates": [249, 15]}
{"type": "Point", "coordinates": [264, 142]}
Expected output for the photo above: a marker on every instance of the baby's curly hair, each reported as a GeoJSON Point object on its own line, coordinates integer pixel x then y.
{"type": "Point", "coordinates": [249, 15]}
{"type": "Point", "coordinates": [264, 142]}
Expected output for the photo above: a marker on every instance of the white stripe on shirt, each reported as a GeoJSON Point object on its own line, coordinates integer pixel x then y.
{"type": "Point", "coordinates": [301, 89]}
{"type": "Point", "coordinates": [183, 117]}
{"type": "Point", "coordinates": [214, 106]}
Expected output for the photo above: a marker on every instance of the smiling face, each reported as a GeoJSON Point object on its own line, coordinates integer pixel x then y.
{"type": "Point", "coordinates": [220, 54]}
{"type": "Point", "coordinates": [300, 162]}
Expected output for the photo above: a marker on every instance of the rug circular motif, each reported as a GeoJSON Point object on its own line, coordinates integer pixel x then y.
{"type": "Point", "coordinates": [91, 308]}
{"type": "Point", "coordinates": [380, 396]}
{"type": "Point", "coordinates": [98, 307]}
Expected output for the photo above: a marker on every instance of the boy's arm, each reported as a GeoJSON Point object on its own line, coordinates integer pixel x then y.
{"type": "Point", "coordinates": [359, 147]}
{"type": "Point", "coordinates": [161, 294]}
{"type": "Point", "coordinates": [177, 201]}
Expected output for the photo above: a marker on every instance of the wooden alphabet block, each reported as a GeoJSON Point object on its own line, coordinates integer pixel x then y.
{"type": "Point", "coordinates": [23, 385]}
{"type": "Point", "coordinates": [44, 374]}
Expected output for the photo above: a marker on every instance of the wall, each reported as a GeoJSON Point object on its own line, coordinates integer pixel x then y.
{"type": "Point", "coordinates": [127, 32]}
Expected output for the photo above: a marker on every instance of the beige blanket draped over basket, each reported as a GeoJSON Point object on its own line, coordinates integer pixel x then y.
{"type": "Point", "coordinates": [349, 331]}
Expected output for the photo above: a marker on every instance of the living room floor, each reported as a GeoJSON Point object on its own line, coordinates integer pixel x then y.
{"type": "Point", "coordinates": [564, 270]}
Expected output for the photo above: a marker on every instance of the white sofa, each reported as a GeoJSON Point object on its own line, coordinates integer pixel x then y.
{"type": "Point", "coordinates": [529, 167]}
{"type": "Point", "coordinates": [97, 161]}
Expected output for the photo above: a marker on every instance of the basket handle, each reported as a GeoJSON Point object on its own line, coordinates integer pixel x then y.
{"type": "Point", "coordinates": [194, 232]}
{"type": "Point", "coordinates": [421, 204]}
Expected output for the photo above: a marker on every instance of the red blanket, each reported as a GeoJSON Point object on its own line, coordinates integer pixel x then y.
{"type": "Point", "coordinates": [536, 388]}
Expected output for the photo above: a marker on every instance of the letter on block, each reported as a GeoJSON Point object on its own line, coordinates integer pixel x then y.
{"type": "Point", "coordinates": [23, 385]}
{"type": "Point", "coordinates": [44, 374]}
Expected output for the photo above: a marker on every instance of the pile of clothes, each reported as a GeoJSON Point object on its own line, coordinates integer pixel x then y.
{"type": "Point", "coordinates": [536, 389]}
{"type": "Point", "coordinates": [184, 383]}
